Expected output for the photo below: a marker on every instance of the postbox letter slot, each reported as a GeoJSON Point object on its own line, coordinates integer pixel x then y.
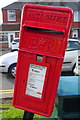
{"type": "Point", "coordinates": [45, 30]}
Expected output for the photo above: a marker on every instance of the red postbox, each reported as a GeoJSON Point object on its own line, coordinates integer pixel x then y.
{"type": "Point", "coordinates": [43, 38]}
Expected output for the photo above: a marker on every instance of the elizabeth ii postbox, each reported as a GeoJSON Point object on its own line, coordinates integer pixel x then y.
{"type": "Point", "coordinates": [43, 38]}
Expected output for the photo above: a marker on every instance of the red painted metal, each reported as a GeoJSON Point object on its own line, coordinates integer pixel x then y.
{"type": "Point", "coordinates": [44, 32]}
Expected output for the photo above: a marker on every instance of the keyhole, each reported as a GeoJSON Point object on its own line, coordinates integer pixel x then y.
{"type": "Point", "coordinates": [39, 58]}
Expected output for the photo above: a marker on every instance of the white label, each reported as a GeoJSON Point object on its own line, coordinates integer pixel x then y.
{"type": "Point", "coordinates": [36, 77]}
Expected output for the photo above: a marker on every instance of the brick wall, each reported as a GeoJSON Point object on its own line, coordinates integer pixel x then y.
{"type": "Point", "coordinates": [3, 45]}
{"type": "Point", "coordinates": [76, 25]}
{"type": "Point", "coordinates": [79, 33]}
{"type": "Point", "coordinates": [5, 17]}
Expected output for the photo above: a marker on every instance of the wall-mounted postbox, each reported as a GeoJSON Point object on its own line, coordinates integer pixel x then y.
{"type": "Point", "coordinates": [43, 38]}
